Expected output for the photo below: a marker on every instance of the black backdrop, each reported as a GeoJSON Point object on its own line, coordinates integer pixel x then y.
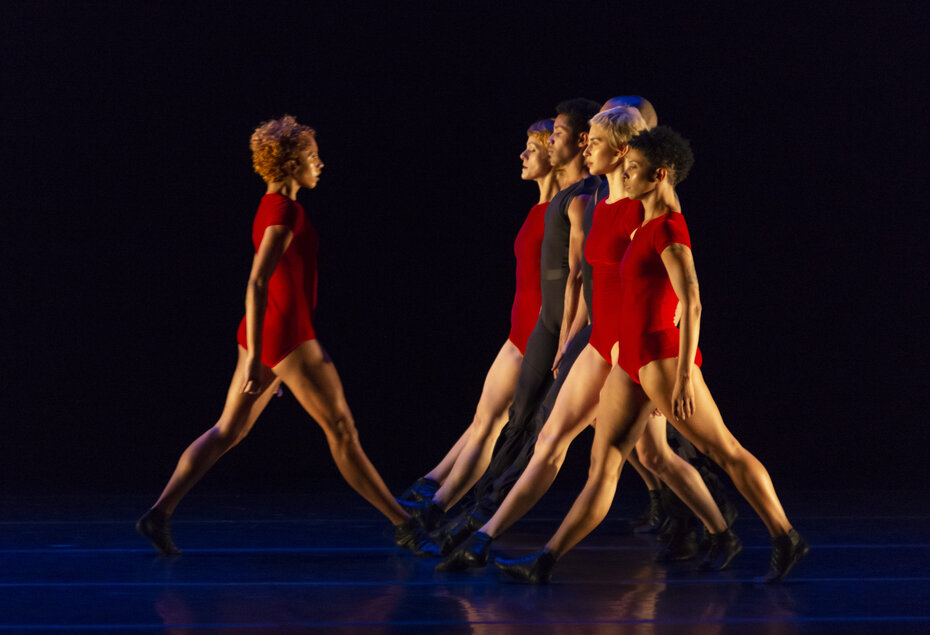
{"type": "Point", "coordinates": [128, 198]}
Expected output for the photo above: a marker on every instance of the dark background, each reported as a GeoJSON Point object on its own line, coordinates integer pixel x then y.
{"type": "Point", "coordinates": [128, 198]}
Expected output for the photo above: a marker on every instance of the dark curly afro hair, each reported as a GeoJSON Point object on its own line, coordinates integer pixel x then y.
{"type": "Point", "coordinates": [665, 148]}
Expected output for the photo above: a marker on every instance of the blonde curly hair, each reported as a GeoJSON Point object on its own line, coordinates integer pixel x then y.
{"type": "Point", "coordinates": [276, 146]}
{"type": "Point", "coordinates": [541, 131]}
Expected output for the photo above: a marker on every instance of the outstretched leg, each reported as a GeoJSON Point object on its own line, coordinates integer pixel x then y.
{"type": "Point", "coordinates": [706, 430]}
{"type": "Point", "coordinates": [621, 417]}
{"type": "Point", "coordinates": [312, 377]}
{"type": "Point", "coordinates": [490, 417]}
{"type": "Point", "coordinates": [239, 415]}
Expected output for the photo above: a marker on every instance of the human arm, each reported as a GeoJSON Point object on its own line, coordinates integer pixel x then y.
{"type": "Point", "coordinates": [574, 282]}
{"type": "Point", "coordinates": [274, 242]}
{"type": "Point", "coordinates": [679, 264]}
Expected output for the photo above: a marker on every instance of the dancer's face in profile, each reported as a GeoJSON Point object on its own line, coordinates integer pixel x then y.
{"type": "Point", "coordinates": [639, 178]}
{"type": "Point", "coordinates": [535, 160]}
{"type": "Point", "coordinates": [308, 172]}
{"type": "Point", "coordinates": [598, 155]}
{"type": "Point", "coordinates": [563, 142]}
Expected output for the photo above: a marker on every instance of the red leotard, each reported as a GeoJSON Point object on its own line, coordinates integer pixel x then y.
{"type": "Point", "coordinates": [292, 287]}
{"type": "Point", "coordinates": [647, 330]}
{"type": "Point", "coordinates": [528, 298]}
{"type": "Point", "coordinates": [607, 241]}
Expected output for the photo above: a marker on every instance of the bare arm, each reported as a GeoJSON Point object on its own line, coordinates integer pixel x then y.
{"type": "Point", "coordinates": [274, 243]}
{"type": "Point", "coordinates": [679, 263]}
{"type": "Point", "coordinates": [573, 284]}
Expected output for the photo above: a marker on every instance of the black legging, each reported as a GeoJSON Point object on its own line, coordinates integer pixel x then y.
{"type": "Point", "coordinates": [515, 452]}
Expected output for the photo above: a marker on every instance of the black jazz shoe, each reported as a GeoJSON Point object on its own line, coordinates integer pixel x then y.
{"type": "Point", "coordinates": [471, 554]}
{"type": "Point", "coordinates": [155, 526]}
{"type": "Point", "coordinates": [422, 489]}
{"type": "Point", "coordinates": [456, 532]}
{"type": "Point", "coordinates": [409, 535]}
{"type": "Point", "coordinates": [682, 545]}
{"type": "Point", "coordinates": [534, 569]}
{"type": "Point", "coordinates": [652, 518]}
{"type": "Point", "coordinates": [787, 550]}
{"type": "Point", "coordinates": [426, 512]}
{"type": "Point", "coordinates": [721, 551]}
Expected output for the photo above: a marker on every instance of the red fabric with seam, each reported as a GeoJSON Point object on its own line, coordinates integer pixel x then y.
{"type": "Point", "coordinates": [647, 330]}
{"type": "Point", "coordinates": [292, 288]}
{"type": "Point", "coordinates": [528, 296]}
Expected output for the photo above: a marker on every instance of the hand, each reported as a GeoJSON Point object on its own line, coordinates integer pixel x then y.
{"type": "Point", "coordinates": [563, 348]}
{"type": "Point", "coordinates": [256, 375]}
{"type": "Point", "coordinates": [683, 398]}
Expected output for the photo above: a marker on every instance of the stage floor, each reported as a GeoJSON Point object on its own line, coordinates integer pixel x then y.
{"type": "Point", "coordinates": [266, 561]}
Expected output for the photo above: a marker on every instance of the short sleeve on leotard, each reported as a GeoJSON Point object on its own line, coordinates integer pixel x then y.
{"type": "Point", "coordinates": [672, 229]}
{"type": "Point", "coordinates": [282, 212]}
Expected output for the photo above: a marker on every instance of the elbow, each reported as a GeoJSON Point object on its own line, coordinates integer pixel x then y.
{"type": "Point", "coordinates": [694, 309]}
{"type": "Point", "coordinates": [258, 286]}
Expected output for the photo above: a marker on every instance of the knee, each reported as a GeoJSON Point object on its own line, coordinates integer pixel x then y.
{"type": "Point", "coordinates": [549, 446]}
{"type": "Point", "coordinates": [340, 430]}
{"type": "Point", "coordinates": [227, 436]}
{"type": "Point", "coordinates": [481, 426]}
{"type": "Point", "coordinates": [604, 470]}
{"type": "Point", "coordinates": [727, 454]}
{"type": "Point", "coordinates": [651, 458]}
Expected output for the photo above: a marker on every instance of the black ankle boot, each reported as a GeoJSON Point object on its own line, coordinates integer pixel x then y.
{"type": "Point", "coordinates": [425, 511]}
{"type": "Point", "coordinates": [155, 526]}
{"type": "Point", "coordinates": [458, 531]}
{"type": "Point", "coordinates": [409, 535]}
{"type": "Point", "coordinates": [652, 517]}
{"type": "Point", "coordinates": [682, 545]}
{"type": "Point", "coordinates": [422, 488]}
{"type": "Point", "coordinates": [471, 554]}
{"type": "Point", "coordinates": [787, 550]}
{"type": "Point", "coordinates": [723, 548]}
{"type": "Point", "coordinates": [534, 569]}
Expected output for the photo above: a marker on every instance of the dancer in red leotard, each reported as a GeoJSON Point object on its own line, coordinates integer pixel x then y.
{"type": "Point", "coordinates": [469, 457]}
{"type": "Point", "coordinates": [657, 272]}
{"type": "Point", "coordinates": [615, 218]}
{"type": "Point", "coordinates": [277, 343]}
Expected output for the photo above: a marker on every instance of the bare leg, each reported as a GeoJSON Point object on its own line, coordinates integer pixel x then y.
{"type": "Point", "coordinates": [312, 377]}
{"type": "Point", "coordinates": [678, 474]}
{"type": "Point", "coordinates": [490, 417]}
{"type": "Point", "coordinates": [441, 472]}
{"type": "Point", "coordinates": [706, 430]}
{"type": "Point", "coordinates": [239, 415]}
{"type": "Point", "coordinates": [621, 418]}
{"type": "Point", "coordinates": [650, 479]}
{"type": "Point", "coordinates": [573, 411]}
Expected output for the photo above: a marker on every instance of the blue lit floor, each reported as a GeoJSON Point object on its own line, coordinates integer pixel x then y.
{"type": "Point", "coordinates": [272, 562]}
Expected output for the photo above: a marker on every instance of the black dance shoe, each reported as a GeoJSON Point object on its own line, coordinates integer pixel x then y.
{"type": "Point", "coordinates": [723, 548]}
{"type": "Point", "coordinates": [652, 517]}
{"type": "Point", "coordinates": [426, 512]}
{"type": "Point", "coordinates": [682, 545]}
{"type": "Point", "coordinates": [422, 489]}
{"type": "Point", "coordinates": [155, 526]}
{"type": "Point", "coordinates": [534, 569]}
{"type": "Point", "coordinates": [456, 532]}
{"type": "Point", "coordinates": [409, 535]}
{"type": "Point", "coordinates": [787, 550]}
{"type": "Point", "coordinates": [471, 554]}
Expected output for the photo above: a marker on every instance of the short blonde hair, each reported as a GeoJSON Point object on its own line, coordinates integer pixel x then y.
{"type": "Point", "coordinates": [276, 146]}
{"type": "Point", "coordinates": [621, 123]}
{"type": "Point", "coordinates": [541, 131]}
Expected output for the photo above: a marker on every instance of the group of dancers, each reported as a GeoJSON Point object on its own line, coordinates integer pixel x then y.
{"type": "Point", "coordinates": [604, 332]}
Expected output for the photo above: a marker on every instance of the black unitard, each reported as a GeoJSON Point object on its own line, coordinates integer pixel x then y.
{"type": "Point", "coordinates": [536, 370]}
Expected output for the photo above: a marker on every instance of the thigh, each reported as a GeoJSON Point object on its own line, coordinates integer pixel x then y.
{"type": "Point", "coordinates": [501, 381]}
{"type": "Point", "coordinates": [574, 407]}
{"type": "Point", "coordinates": [241, 410]}
{"type": "Point", "coordinates": [705, 428]}
{"type": "Point", "coordinates": [621, 406]}
{"type": "Point", "coordinates": [311, 375]}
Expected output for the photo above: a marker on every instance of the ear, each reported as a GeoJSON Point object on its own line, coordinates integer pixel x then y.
{"type": "Point", "coordinates": [582, 139]}
{"type": "Point", "coordinates": [660, 174]}
{"type": "Point", "coordinates": [622, 150]}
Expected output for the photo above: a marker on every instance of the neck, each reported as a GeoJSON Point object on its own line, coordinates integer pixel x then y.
{"type": "Point", "coordinates": [288, 187]}
{"type": "Point", "coordinates": [548, 186]}
{"type": "Point", "coordinates": [572, 172]}
{"type": "Point", "coordinates": [615, 184]}
{"type": "Point", "coordinates": [661, 200]}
